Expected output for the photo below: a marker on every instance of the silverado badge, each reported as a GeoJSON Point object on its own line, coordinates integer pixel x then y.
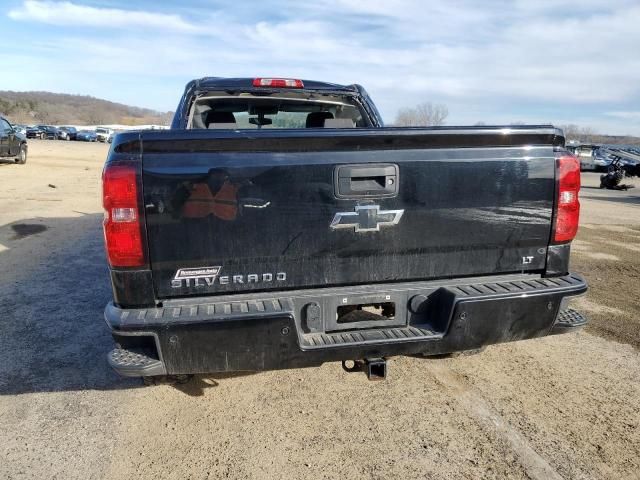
{"type": "Point", "coordinates": [208, 276]}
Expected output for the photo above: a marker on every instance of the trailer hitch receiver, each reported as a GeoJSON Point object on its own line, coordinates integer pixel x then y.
{"type": "Point", "coordinates": [374, 368]}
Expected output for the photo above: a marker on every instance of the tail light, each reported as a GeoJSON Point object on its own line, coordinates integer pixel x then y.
{"type": "Point", "coordinates": [568, 205]}
{"type": "Point", "coordinates": [122, 223]}
{"type": "Point", "coordinates": [278, 82]}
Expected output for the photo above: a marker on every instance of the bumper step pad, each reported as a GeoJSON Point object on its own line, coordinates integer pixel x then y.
{"type": "Point", "coordinates": [568, 319]}
{"type": "Point", "coordinates": [386, 335]}
{"type": "Point", "coordinates": [134, 364]}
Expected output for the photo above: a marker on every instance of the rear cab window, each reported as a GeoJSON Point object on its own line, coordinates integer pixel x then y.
{"type": "Point", "coordinates": [275, 109]}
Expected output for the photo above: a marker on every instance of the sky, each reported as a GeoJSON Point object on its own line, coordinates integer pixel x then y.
{"type": "Point", "coordinates": [497, 62]}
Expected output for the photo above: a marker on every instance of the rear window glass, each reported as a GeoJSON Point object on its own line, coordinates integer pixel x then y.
{"type": "Point", "coordinates": [221, 110]}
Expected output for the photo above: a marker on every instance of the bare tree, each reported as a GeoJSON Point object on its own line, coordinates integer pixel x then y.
{"type": "Point", "coordinates": [166, 118]}
{"type": "Point", "coordinates": [423, 115]}
{"type": "Point", "coordinates": [587, 134]}
{"type": "Point", "coordinates": [95, 118]}
{"type": "Point", "coordinates": [43, 116]}
{"type": "Point", "coordinates": [571, 131]}
{"type": "Point", "coordinates": [580, 134]}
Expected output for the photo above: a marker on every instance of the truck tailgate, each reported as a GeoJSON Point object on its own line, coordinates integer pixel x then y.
{"type": "Point", "coordinates": [233, 211]}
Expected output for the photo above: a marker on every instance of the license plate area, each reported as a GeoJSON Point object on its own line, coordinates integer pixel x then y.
{"type": "Point", "coordinates": [367, 311]}
{"type": "Point", "coordinates": [372, 312]}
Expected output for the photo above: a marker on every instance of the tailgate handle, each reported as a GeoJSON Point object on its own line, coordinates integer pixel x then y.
{"type": "Point", "coordinates": [355, 181]}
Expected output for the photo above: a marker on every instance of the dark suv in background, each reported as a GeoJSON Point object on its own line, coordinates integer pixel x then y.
{"type": "Point", "coordinates": [13, 145]}
{"type": "Point", "coordinates": [35, 132]}
{"type": "Point", "coordinates": [50, 132]}
{"type": "Point", "coordinates": [67, 133]}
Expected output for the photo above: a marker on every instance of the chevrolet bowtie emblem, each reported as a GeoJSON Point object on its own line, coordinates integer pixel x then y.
{"type": "Point", "coordinates": [366, 218]}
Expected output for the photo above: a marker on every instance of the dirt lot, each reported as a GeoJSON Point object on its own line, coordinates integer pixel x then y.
{"type": "Point", "coordinates": [607, 251]}
{"type": "Point", "coordinates": [559, 407]}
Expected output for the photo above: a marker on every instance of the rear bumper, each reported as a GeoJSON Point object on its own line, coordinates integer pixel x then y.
{"type": "Point", "coordinates": [299, 328]}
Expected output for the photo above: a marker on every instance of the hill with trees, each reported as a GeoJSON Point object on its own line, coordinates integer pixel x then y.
{"type": "Point", "coordinates": [65, 109]}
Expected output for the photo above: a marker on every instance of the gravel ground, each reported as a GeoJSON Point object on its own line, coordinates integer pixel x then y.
{"type": "Point", "coordinates": [607, 252]}
{"type": "Point", "coordinates": [558, 407]}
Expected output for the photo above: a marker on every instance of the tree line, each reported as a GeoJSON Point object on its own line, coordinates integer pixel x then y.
{"type": "Point", "coordinates": [434, 115]}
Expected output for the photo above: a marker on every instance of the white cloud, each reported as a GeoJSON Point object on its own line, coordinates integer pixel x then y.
{"type": "Point", "coordinates": [625, 115]}
{"type": "Point", "coordinates": [72, 14]}
{"type": "Point", "coordinates": [536, 61]}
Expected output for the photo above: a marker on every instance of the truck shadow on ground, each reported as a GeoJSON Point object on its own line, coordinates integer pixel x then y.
{"type": "Point", "coordinates": [612, 195]}
{"type": "Point", "coordinates": [199, 383]}
{"type": "Point", "coordinates": [53, 336]}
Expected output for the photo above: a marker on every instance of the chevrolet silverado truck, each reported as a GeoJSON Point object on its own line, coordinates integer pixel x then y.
{"type": "Point", "coordinates": [278, 224]}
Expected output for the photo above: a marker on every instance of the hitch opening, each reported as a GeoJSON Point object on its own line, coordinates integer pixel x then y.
{"type": "Point", "coordinates": [375, 368]}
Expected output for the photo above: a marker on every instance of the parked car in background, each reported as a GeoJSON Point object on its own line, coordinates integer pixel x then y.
{"type": "Point", "coordinates": [629, 159]}
{"type": "Point", "coordinates": [104, 134]}
{"type": "Point", "coordinates": [86, 136]}
{"type": "Point", "coordinates": [601, 160]}
{"type": "Point", "coordinates": [35, 132]}
{"type": "Point", "coordinates": [67, 133]}
{"type": "Point", "coordinates": [13, 145]}
{"type": "Point", "coordinates": [585, 153]}
{"type": "Point", "coordinates": [21, 129]}
{"type": "Point", "coordinates": [50, 132]}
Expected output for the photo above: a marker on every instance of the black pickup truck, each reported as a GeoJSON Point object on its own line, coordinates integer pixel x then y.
{"type": "Point", "coordinates": [13, 144]}
{"type": "Point", "coordinates": [278, 224]}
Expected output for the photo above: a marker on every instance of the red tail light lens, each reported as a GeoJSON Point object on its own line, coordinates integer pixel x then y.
{"type": "Point", "coordinates": [278, 82]}
{"type": "Point", "coordinates": [568, 214]}
{"type": "Point", "coordinates": [122, 223]}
